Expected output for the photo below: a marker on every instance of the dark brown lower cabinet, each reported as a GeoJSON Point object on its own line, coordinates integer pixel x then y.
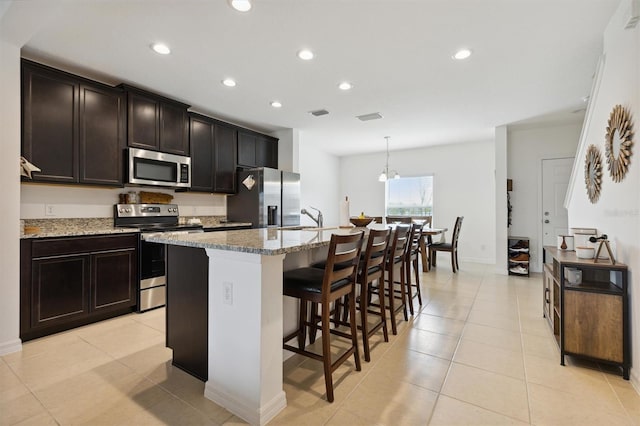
{"type": "Point", "coordinates": [188, 308]}
{"type": "Point", "coordinates": [68, 282]}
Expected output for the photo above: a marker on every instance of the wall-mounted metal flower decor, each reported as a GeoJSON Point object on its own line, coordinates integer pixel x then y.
{"type": "Point", "coordinates": [618, 142]}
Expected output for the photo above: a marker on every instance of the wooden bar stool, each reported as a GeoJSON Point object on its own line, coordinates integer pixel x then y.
{"type": "Point", "coordinates": [317, 286]}
{"type": "Point", "coordinates": [451, 247]}
{"type": "Point", "coordinates": [411, 261]}
{"type": "Point", "coordinates": [372, 270]}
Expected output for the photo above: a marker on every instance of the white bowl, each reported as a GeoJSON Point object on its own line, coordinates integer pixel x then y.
{"type": "Point", "coordinates": [585, 252]}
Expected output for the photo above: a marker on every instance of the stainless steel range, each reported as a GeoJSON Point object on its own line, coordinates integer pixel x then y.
{"type": "Point", "coordinates": [151, 219]}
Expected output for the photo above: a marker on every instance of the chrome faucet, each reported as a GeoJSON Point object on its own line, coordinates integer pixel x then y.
{"type": "Point", "coordinates": [317, 220]}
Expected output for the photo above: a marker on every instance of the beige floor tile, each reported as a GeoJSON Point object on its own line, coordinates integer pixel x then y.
{"type": "Point", "coordinates": [628, 396]}
{"type": "Point", "coordinates": [509, 310]}
{"type": "Point", "coordinates": [537, 326]}
{"type": "Point", "coordinates": [42, 345]}
{"type": "Point", "coordinates": [439, 325]}
{"type": "Point", "coordinates": [490, 358]}
{"type": "Point", "coordinates": [427, 342]}
{"type": "Point", "coordinates": [10, 385]}
{"type": "Point", "coordinates": [413, 367]}
{"type": "Point", "coordinates": [452, 412]}
{"type": "Point", "coordinates": [155, 318]}
{"type": "Point", "coordinates": [20, 409]}
{"type": "Point", "coordinates": [586, 383]}
{"type": "Point", "coordinates": [554, 407]}
{"type": "Point", "coordinates": [494, 392]}
{"type": "Point", "coordinates": [235, 421]}
{"type": "Point", "coordinates": [344, 417]}
{"type": "Point", "coordinates": [447, 310]}
{"type": "Point", "coordinates": [42, 419]}
{"type": "Point", "coordinates": [540, 346]}
{"type": "Point", "coordinates": [498, 337]}
{"type": "Point", "coordinates": [492, 319]}
{"type": "Point", "coordinates": [148, 360]}
{"type": "Point", "coordinates": [391, 402]}
{"type": "Point", "coordinates": [58, 364]}
{"type": "Point", "coordinates": [128, 338]}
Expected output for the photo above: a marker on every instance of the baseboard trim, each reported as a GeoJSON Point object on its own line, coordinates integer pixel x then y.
{"type": "Point", "coordinates": [10, 347]}
{"type": "Point", "coordinates": [246, 410]}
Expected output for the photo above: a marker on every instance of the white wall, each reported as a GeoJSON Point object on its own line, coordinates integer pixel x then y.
{"type": "Point", "coordinates": [319, 182]}
{"type": "Point", "coordinates": [617, 212]}
{"type": "Point", "coordinates": [501, 199]}
{"type": "Point", "coordinates": [527, 146]}
{"type": "Point", "coordinates": [10, 218]}
{"type": "Point", "coordinates": [464, 185]}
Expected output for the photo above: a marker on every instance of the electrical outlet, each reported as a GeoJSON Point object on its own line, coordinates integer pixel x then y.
{"type": "Point", "coordinates": [49, 210]}
{"type": "Point", "coordinates": [227, 293]}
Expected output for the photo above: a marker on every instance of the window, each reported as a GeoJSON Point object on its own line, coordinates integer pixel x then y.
{"type": "Point", "coordinates": [409, 196]}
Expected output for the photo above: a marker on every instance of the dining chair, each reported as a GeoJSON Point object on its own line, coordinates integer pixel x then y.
{"type": "Point", "coordinates": [398, 219]}
{"type": "Point", "coordinates": [323, 287]}
{"type": "Point", "coordinates": [451, 247]}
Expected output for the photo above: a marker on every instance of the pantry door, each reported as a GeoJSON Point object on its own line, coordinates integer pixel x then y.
{"type": "Point", "coordinates": [555, 181]}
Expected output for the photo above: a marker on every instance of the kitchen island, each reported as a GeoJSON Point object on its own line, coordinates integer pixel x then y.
{"type": "Point", "coordinates": [245, 310]}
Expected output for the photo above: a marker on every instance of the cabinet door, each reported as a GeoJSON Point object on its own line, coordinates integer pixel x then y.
{"type": "Point", "coordinates": [201, 154]}
{"type": "Point", "coordinates": [113, 280]}
{"type": "Point", "coordinates": [246, 149]}
{"type": "Point", "coordinates": [174, 137]}
{"type": "Point", "coordinates": [102, 127]}
{"type": "Point", "coordinates": [58, 290]}
{"type": "Point", "coordinates": [266, 152]}
{"type": "Point", "coordinates": [143, 119]}
{"type": "Point", "coordinates": [225, 159]}
{"type": "Point", "coordinates": [593, 325]}
{"type": "Point", "coordinates": [50, 128]}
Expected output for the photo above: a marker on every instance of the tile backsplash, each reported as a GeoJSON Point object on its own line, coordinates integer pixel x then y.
{"type": "Point", "coordinates": [38, 201]}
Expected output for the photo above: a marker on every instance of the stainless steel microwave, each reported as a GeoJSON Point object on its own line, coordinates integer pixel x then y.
{"type": "Point", "coordinates": [159, 168]}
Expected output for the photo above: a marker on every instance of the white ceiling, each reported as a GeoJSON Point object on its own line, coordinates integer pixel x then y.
{"type": "Point", "coordinates": [530, 58]}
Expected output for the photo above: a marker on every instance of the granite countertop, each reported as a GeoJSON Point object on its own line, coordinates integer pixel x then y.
{"type": "Point", "coordinates": [71, 227]}
{"type": "Point", "coordinates": [265, 241]}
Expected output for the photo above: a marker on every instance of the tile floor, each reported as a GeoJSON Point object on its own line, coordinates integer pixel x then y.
{"type": "Point", "coordinates": [477, 353]}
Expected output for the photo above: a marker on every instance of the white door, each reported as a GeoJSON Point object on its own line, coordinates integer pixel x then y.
{"type": "Point", "coordinates": [555, 181]}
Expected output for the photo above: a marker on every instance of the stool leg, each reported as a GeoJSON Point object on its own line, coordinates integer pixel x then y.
{"type": "Point", "coordinates": [392, 313]}
{"type": "Point", "coordinates": [354, 328]}
{"type": "Point", "coordinates": [326, 350]}
{"type": "Point", "coordinates": [403, 290]}
{"type": "Point", "coordinates": [313, 328]}
{"type": "Point", "coordinates": [364, 324]}
{"type": "Point", "coordinates": [383, 312]}
{"type": "Point", "coordinates": [417, 272]}
{"type": "Point", "coordinates": [302, 324]}
{"type": "Point", "coordinates": [453, 261]}
{"type": "Point", "coordinates": [407, 273]}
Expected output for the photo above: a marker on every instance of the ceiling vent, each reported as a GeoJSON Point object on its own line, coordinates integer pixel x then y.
{"type": "Point", "coordinates": [367, 117]}
{"type": "Point", "coordinates": [319, 112]}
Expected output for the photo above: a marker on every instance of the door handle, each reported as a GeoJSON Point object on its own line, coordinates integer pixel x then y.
{"type": "Point", "coordinates": [546, 221]}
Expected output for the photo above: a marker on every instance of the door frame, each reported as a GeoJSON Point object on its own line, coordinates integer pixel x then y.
{"type": "Point", "coordinates": [540, 231]}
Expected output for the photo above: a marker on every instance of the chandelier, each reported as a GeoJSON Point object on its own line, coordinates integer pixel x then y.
{"type": "Point", "coordinates": [386, 172]}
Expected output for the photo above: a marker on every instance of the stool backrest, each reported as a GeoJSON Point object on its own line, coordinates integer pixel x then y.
{"type": "Point", "coordinates": [413, 245]}
{"type": "Point", "coordinates": [343, 250]}
{"type": "Point", "coordinates": [398, 219]}
{"type": "Point", "coordinates": [376, 251]}
{"type": "Point", "coordinates": [426, 220]}
{"type": "Point", "coordinates": [398, 245]}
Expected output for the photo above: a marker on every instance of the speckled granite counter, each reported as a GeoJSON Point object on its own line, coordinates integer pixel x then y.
{"type": "Point", "coordinates": [70, 227]}
{"type": "Point", "coordinates": [257, 241]}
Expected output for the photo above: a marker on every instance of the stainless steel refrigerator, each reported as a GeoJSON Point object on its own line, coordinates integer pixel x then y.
{"type": "Point", "coordinates": [266, 197]}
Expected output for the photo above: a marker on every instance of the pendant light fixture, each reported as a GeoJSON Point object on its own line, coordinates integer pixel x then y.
{"type": "Point", "coordinates": [386, 173]}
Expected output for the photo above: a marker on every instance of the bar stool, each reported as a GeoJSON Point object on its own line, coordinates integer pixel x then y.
{"type": "Point", "coordinates": [372, 270]}
{"type": "Point", "coordinates": [317, 286]}
{"type": "Point", "coordinates": [395, 274]}
{"type": "Point", "coordinates": [451, 247]}
{"type": "Point", "coordinates": [411, 261]}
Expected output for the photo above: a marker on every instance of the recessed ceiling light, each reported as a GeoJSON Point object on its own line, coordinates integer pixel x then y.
{"type": "Point", "coordinates": [276, 104]}
{"type": "Point", "coordinates": [345, 85]}
{"type": "Point", "coordinates": [241, 5]}
{"type": "Point", "coordinates": [305, 54]}
{"type": "Point", "coordinates": [161, 48]}
{"type": "Point", "coordinates": [229, 82]}
{"type": "Point", "coordinates": [462, 54]}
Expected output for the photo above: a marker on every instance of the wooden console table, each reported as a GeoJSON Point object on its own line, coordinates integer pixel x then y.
{"type": "Point", "coordinates": [589, 319]}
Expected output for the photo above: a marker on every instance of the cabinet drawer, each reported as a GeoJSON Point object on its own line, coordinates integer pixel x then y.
{"type": "Point", "coordinates": [73, 245]}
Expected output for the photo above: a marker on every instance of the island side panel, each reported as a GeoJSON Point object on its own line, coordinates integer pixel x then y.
{"type": "Point", "coordinates": [187, 308]}
{"type": "Point", "coordinates": [245, 334]}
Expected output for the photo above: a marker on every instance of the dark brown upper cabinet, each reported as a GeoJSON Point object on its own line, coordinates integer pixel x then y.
{"type": "Point", "coordinates": [257, 150]}
{"type": "Point", "coordinates": [156, 123]}
{"type": "Point", "coordinates": [213, 155]}
{"type": "Point", "coordinates": [72, 128]}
